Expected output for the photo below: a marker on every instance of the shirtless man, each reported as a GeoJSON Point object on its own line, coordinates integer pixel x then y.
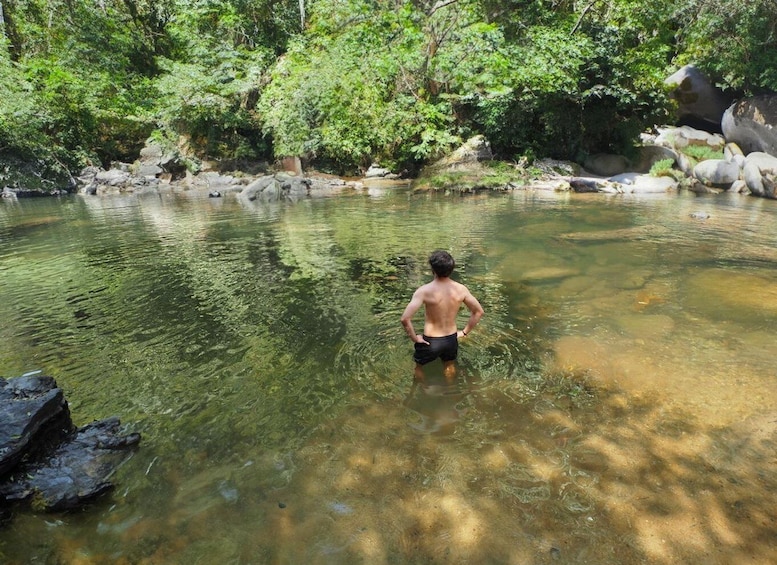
{"type": "Point", "coordinates": [441, 299]}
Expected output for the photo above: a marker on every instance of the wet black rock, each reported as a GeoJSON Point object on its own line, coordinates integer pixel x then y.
{"type": "Point", "coordinates": [31, 408]}
{"type": "Point", "coordinates": [44, 459]}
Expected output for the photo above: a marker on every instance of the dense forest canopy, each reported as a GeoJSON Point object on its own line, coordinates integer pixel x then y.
{"type": "Point", "coordinates": [344, 83]}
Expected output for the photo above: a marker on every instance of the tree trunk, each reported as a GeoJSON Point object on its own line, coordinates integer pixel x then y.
{"type": "Point", "coordinates": [8, 29]}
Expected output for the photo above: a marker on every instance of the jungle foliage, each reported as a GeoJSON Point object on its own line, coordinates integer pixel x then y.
{"type": "Point", "coordinates": [344, 83]}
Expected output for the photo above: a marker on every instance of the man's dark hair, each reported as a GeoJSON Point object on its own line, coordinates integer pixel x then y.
{"type": "Point", "coordinates": [442, 263]}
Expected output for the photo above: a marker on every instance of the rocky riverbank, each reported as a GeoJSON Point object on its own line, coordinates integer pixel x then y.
{"type": "Point", "coordinates": [735, 151]}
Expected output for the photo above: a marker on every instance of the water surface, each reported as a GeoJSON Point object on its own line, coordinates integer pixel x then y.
{"type": "Point", "coordinates": [616, 404]}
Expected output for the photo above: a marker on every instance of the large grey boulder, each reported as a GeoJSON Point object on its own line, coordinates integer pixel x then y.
{"type": "Point", "coordinates": [751, 123]}
{"type": "Point", "coordinates": [716, 172]}
{"type": "Point", "coordinates": [375, 171]}
{"type": "Point", "coordinates": [624, 183]}
{"type": "Point", "coordinates": [699, 102]}
{"type": "Point", "coordinates": [264, 187]}
{"type": "Point", "coordinates": [280, 186]}
{"type": "Point", "coordinates": [475, 150]}
{"type": "Point", "coordinates": [606, 164]}
{"type": "Point", "coordinates": [154, 160]}
{"type": "Point", "coordinates": [648, 155]}
{"type": "Point", "coordinates": [678, 138]}
{"type": "Point", "coordinates": [647, 184]}
{"type": "Point", "coordinates": [760, 174]}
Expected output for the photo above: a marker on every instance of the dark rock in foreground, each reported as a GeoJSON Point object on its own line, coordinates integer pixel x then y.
{"type": "Point", "coordinates": [44, 459]}
{"type": "Point", "coordinates": [30, 408]}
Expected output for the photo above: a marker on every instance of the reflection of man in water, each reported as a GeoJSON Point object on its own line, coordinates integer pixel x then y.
{"type": "Point", "coordinates": [441, 300]}
{"type": "Point", "coordinates": [437, 402]}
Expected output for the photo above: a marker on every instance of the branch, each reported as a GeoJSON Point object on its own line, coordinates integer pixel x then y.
{"type": "Point", "coordinates": [582, 15]}
{"type": "Point", "coordinates": [440, 4]}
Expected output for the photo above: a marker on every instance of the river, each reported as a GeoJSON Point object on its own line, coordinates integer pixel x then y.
{"type": "Point", "coordinates": [617, 404]}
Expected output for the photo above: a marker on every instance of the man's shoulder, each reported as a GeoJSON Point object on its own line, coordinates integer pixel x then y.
{"type": "Point", "coordinates": [425, 287]}
{"type": "Point", "coordinates": [460, 287]}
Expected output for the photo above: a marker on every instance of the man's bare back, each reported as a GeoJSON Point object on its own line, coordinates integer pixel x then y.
{"type": "Point", "coordinates": [441, 299]}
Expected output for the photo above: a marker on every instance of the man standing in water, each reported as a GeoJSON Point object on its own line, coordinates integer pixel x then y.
{"type": "Point", "coordinates": [441, 300]}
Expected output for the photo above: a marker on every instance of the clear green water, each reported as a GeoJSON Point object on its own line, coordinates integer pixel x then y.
{"type": "Point", "coordinates": [623, 372]}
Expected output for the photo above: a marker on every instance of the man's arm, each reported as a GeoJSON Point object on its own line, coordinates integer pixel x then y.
{"type": "Point", "coordinates": [476, 312]}
{"type": "Point", "coordinates": [407, 316]}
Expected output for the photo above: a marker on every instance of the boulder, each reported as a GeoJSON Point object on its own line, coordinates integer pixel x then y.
{"type": "Point", "coordinates": [29, 406]}
{"type": "Point", "coordinates": [760, 173]}
{"type": "Point", "coordinates": [701, 188]}
{"type": "Point", "coordinates": [217, 181]}
{"type": "Point", "coordinates": [24, 175]}
{"type": "Point", "coordinates": [732, 152]}
{"type": "Point", "coordinates": [293, 185]}
{"type": "Point", "coordinates": [681, 137]}
{"type": "Point", "coordinates": [376, 171]}
{"type": "Point", "coordinates": [739, 187]}
{"type": "Point", "coordinates": [625, 178]}
{"type": "Point", "coordinates": [606, 164]}
{"type": "Point", "coordinates": [592, 184]}
{"type": "Point", "coordinates": [751, 123]}
{"type": "Point", "coordinates": [699, 102]}
{"type": "Point", "coordinates": [554, 167]}
{"type": "Point", "coordinates": [716, 172]}
{"type": "Point", "coordinates": [637, 183]}
{"type": "Point", "coordinates": [154, 160]}
{"type": "Point", "coordinates": [277, 187]}
{"type": "Point", "coordinates": [265, 187]}
{"type": "Point", "coordinates": [647, 184]}
{"type": "Point", "coordinates": [475, 149]}
{"type": "Point", "coordinates": [649, 155]}
{"type": "Point", "coordinates": [472, 152]}
{"type": "Point", "coordinates": [116, 180]}
{"type": "Point", "coordinates": [43, 457]}
{"type": "Point", "coordinates": [685, 164]}
{"type": "Point", "coordinates": [76, 472]}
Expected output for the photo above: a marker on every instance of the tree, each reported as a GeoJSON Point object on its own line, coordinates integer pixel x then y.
{"type": "Point", "coordinates": [378, 80]}
{"type": "Point", "coordinates": [735, 43]}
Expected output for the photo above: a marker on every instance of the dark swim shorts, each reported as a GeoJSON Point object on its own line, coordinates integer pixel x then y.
{"type": "Point", "coordinates": [446, 348]}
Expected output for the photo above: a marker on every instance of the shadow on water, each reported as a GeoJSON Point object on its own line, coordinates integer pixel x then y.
{"type": "Point", "coordinates": [577, 474]}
